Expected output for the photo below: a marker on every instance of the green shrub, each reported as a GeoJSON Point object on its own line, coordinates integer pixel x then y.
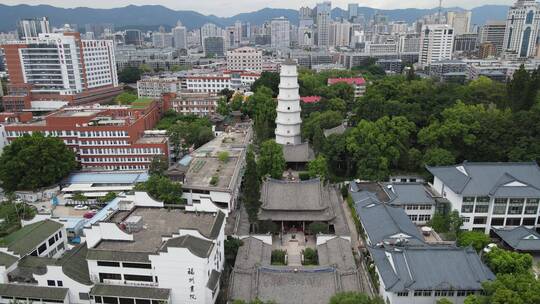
{"type": "Point", "coordinates": [278, 257]}
{"type": "Point", "coordinates": [311, 257]}
{"type": "Point", "coordinates": [303, 176]}
{"type": "Point", "coordinates": [318, 227]}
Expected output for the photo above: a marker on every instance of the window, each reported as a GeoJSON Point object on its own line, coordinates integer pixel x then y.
{"type": "Point", "coordinates": [109, 276]}
{"type": "Point", "coordinates": [426, 293]}
{"type": "Point", "coordinates": [481, 207]}
{"type": "Point", "coordinates": [110, 300]}
{"type": "Point", "coordinates": [141, 301]}
{"type": "Point", "coordinates": [513, 221]}
{"type": "Point", "coordinates": [482, 199]}
{"type": "Point", "coordinates": [497, 221]}
{"type": "Point", "coordinates": [136, 277]}
{"type": "Point", "coordinates": [467, 207]}
{"type": "Point", "coordinates": [59, 283]}
{"type": "Point", "coordinates": [84, 296]}
{"type": "Point", "coordinates": [51, 241]}
{"type": "Point", "coordinates": [138, 265]}
{"type": "Point", "coordinates": [403, 294]}
{"type": "Point", "coordinates": [468, 199]}
{"type": "Point", "coordinates": [528, 221]}
{"type": "Point", "coordinates": [466, 219]}
{"type": "Point", "coordinates": [479, 220]}
{"type": "Point", "coordinates": [532, 206]}
{"type": "Point", "coordinates": [413, 217]}
{"type": "Point", "coordinates": [51, 283]}
{"type": "Point", "coordinates": [42, 248]}
{"type": "Point", "coordinates": [108, 264]}
{"type": "Point", "coordinates": [424, 217]}
{"type": "Point", "coordinates": [516, 206]}
{"type": "Point", "coordinates": [127, 301]}
{"type": "Point", "coordinates": [500, 206]}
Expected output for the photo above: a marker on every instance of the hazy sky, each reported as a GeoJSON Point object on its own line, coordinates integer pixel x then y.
{"type": "Point", "coordinates": [227, 8]}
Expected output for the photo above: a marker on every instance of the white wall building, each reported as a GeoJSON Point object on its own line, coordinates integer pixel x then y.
{"type": "Point", "coordinates": [280, 33]}
{"type": "Point", "coordinates": [460, 21]}
{"type": "Point", "coordinates": [522, 26]}
{"type": "Point", "coordinates": [288, 120]}
{"type": "Point", "coordinates": [244, 59]}
{"type": "Point", "coordinates": [491, 194]}
{"type": "Point", "coordinates": [179, 34]}
{"type": "Point", "coordinates": [208, 83]}
{"type": "Point", "coordinates": [436, 43]}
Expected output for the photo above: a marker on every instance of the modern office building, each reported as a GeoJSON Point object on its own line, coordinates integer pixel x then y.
{"type": "Point", "coordinates": [244, 59]}
{"type": "Point", "coordinates": [288, 120]}
{"type": "Point", "coordinates": [280, 33]}
{"type": "Point", "coordinates": [466, 43]}
{"type": "Point", "coordinates": [493, 32]}
{"type": "Point", "coordinates": [133, 37]}
{"type": "Point", "coordinates": [323, 18]}
{"type": "Point", "coordinates": [179, 34]}
{"type": "Point", "coordinates": [161, 39]}
{"type": "Point", "coordinates": [491, 195]}
{"type": "Point", "coordinates": [103, 137]}
{"type": "Point", "coordinates": [154, 87]}
{"type": "Point", "coordinates": [460, 21]}
{"type": "Point", "coordinates": [31, 28]}
{"type": "Point", "coordinates": [191, 103]}
{"type": "Point", "coordinates": [522, 24]}
{"type": "Point", "coordinates": [352, 10]}
{"type": "Point", "coordinates": [214, 46]}
{"type": "Point", "coordinates": [436, 43]}
{"type": "Point", "coordinates": [54, 70]}
{"type": "Point", "coordinates": [340, 33]}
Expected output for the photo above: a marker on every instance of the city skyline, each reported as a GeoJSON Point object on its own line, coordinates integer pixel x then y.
{"type": "Point", "coordinates": [213, 7]}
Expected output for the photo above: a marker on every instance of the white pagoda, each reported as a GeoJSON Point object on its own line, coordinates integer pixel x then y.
{"type": "Point", "coordinates": [288, 120]}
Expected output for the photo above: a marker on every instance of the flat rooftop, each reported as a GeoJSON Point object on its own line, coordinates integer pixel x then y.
{"type": "Point", "coordinates": [152, 140]}
{"type": "Point", "coordinates": [158, 223]}
{"type": "Point", "coordinates": [70, 113]}
{"type": "Point", "coordinates": [205, 161]}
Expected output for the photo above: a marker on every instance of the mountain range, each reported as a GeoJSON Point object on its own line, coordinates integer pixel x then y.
{"type": "Point", "coordinates": [152, 16]}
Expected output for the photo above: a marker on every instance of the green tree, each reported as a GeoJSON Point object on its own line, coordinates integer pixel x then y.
{"type": "Point", "coordinates": [354, 298]}
{"type": "Point", "coordinates": [34, 161]}
{"type": "Point", "coordinates": [502, 261]}
{"type": "Point", "coordinates": [162, 188]}
{"type": "Point", "coordinates": [252, 187]}
{"type": "Point", "coordinates": [269, 80]}
{"type": "Point", "coordinates": [262, 108]}
{"type": "Point", "coordinates": [318, 227]}
{"type": "Point", "coordinates": [377, 146]}
{"type": "Point", "coordinates": [444, 301]}
{"type": "Point", "coordinates": [438, 157]}
{"type": "Point", "coordinates": [223, 107]}
{"type": "Point", "coordinates": [478, 240]}
{"type": "Point", "coordinates": [79, 197]}
{"type": "Point", "coordinates": [520, 288]}
{"type": "Point", "coordinates": [125, 98]}
{"type": "Point", "coordinates": [158, 166]}
{"type": "Point", "coordinates": [130, 75]}
{"type": "Point", "coordinates": [107, 198]}
{"type": "Point", "coordinates": [278, 257]}
{"type": "Point", "coordinates": [318, 168]}
{"type": "Point", "coordinates": [223, 156]}
{"type": "Point", "coordinates": [184, 133]}
{"type": "Point", "coordinates": [145, 68]}
{"type": "Point", "coordinates": [271, 161]}
{"type": "Point", "coordinates": [310, 257]}
{"type": "Point", "coordinates": [522, 90]}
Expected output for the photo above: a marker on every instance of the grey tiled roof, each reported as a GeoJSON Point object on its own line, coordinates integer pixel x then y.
{"type": "Point", "coordinates": [74, 264]}
{"type": "Point", "coordinates": [382, 222]}
{"type": "Point", "coordinates": [430, 268]}
{"type": "Point", "coordinates": [125, 256]}
{"type": "Point", "coordinates": [24, 240]}
{"type": "Point", "coordinates": [253, 276]}
{"type": "Point", "coordinates": [35, 292]}
{"type": "Point", "coordinates": [213, 280]}
{"type": "Point", "coordinates": [494, 179]}
{"type": "Point", "coordinates": [7, 259]}
{"type": "Point", "coordinates": [335, 130]}
{"type": "Point", "coordinates": [519, 238]}
{"type": "Point", "coordinates": [197, 246]}
{"type": "Point", "coordinates": [408, 193]}
{"type": "Point", "coordinates": [130, 292]}
{"type": "Point", "coordinates": [301, 153]}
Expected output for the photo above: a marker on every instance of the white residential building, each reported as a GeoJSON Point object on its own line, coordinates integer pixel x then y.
{"type": "Point", "coordinates": [244, 59]}
{"type": "Point", "coordinates": [340, 33]}
{"type": "Point", "coordinates": [155, 87]}
{"type": "Point", "coordinates": [280, 33]}
{"type": "Point", "coordinates": [208, 83]}
{"type": "Point", "coordinates": [288, 120]}
{"type": "Point", "coordinates": [436, 43]}
{"type": "Point", "coordinates": [491, 194]}
{"type": "Point", "coordinates": [323, 17]}
{"type": "Point", "coordinates": [460, 21]}
{"type": "Point", "coordinates": [522, 26]}
{"type": "Point", "coordinates": [179, 34]}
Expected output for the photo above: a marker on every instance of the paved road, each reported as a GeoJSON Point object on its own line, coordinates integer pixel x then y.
{"type": "Point", "coordinates": [356, 243]}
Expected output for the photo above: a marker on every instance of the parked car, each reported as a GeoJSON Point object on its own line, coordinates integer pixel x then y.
{"type": "Point", "coordinates": [80, 207]}
{"type": "Point", "coordinates": [90, 214]}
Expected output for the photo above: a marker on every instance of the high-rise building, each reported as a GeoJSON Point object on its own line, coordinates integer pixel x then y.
{"type": "Point", "coordinates": [133, 37]}
{"type": "Point", "coordinates": [486, 50]}
{"type": "Point", "coordinates": [493, 31]}
{"type": "Point", "coordinates": [436, 43]}
{"type": "Point", "coordinates": [288, 119]}
{"type": "Point", "coordinates": [214, 46]}
{"type": "Point", "coordinates": [29, 28]}
{"type": "Point", "coordinates": [53, 70]}
{"type": "Point", "coordinates": [305, 13]}
{"type": "Point", "coordinates": [179, 34]}
{"type": "Point", "coordinates": [522, 26]}
{"type": "Point", "coordinates": [340, 33]}
{"type": "Point", "coordinates": [324, 11]}
{"type": "Point", "coordinates": [244, 59]}
{"type": "Point", "coordinates": [460, 21]}
{"type": "Point", "coordinates": [161, 39]}
{"type": "Point", "coordinates": [352, 9]}
{"type": "Point", "coordinates": [280, 33]}
{"type": "Point", "coordinates": [466, 43]}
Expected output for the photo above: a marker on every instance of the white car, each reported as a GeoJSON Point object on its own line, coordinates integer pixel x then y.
{"type": "Point", "coordinates": [80, 207]}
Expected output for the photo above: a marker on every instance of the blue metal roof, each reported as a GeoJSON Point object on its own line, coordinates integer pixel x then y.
{"type": "Point", "coordinates": [107, 178]}
{"type": "Point", "coordinates": [185, 160]}
{"type": "Point", "coordinates": [102, 214]}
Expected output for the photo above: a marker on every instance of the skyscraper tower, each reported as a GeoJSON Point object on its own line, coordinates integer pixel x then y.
{"type": "Point", "coordinates": [522, 27]}
{"type": "Point", "coordinates": [288, 121]}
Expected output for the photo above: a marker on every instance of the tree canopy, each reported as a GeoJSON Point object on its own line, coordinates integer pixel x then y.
{"type": "Point", "coordinates": [163, 189]}
{"type": "Point", "coordinates": [34, 161]}
{"type": "Point", "coordinates": [354, 298]}
{"type": "Point", "coordinates": [271, 161]}
{"type": "Point", "coordinates": [478, 240]}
